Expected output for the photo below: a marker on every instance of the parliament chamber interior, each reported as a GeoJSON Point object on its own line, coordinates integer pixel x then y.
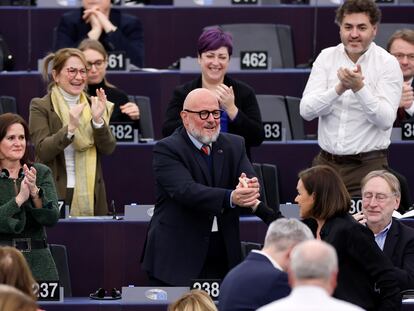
{"type": "Point", "coordinates": [106, 252]}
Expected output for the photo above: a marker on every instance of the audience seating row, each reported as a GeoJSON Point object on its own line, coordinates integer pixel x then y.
{"type": "Point", "coordinates": [312, 29]}
{"type": "Point", "coordinates": [159, 87]}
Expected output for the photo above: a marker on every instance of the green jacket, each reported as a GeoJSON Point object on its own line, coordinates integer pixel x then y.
{"type": "Point", "coordinates": [29, 222]}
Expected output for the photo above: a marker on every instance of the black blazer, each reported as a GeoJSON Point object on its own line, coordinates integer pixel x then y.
{"type": "Point", "coordinates": [253, 283]}
{"type": "Point", "coordinates": [399, 247]}
{"type": "Point", "coordinates": [363, 267]}
{"type": "Point", "coordinates": [188, 196]}
{"type": "Point", "coordinates": [248, 122]}
{"type": "Point", "coordinates": [72, 29]}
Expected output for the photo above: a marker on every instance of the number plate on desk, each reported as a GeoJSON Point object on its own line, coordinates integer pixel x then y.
{"type": "Point", "coordinates": [47, 290]}
{"type": "Point", "coordinates": [210, 286]}
{"type": "Point", "coordinates": [273, 130]}
{"type": "Point", "coordinates": [116, 61]}
{"type": "Point", "coordinates": [407, 130]}
{"type": "Point", "coordinates": [254, 60]}
{"type": "Point", "coordinates": [123, 132]}
{"type": "Point", "coordinates": [356, 205]}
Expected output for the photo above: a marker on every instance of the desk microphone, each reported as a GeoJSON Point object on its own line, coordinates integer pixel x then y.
{"type": "Point", "coordinates": [114, 211]}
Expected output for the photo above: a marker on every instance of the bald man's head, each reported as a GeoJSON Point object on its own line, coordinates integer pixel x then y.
{"type": "Point", "coordinates": [201, 115]}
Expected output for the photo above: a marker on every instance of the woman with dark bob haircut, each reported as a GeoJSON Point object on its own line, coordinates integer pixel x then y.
{"type": "Point", "coordinates": [366, 275]}
{"type": "Point", "coordinates": [240, 111]}
{"type": "Point", "coordinates": [28, 199]}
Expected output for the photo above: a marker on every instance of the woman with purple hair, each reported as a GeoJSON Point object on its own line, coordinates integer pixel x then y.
{"type": "Point", "coordinates": [238, 101]}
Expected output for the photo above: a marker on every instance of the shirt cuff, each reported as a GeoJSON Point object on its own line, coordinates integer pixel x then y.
{"type": "Point", "coordinates": [98, 125]}
{"type": "Point", "coordinates": [410, 110]}
{"type": "Point", "coordinates": [229, 195]}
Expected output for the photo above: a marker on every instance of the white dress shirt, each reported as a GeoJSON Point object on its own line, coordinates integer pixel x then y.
{"type": "Point", "coordinates": [358, 122]}
{"type": "Point", "coordinates": [309, 298]}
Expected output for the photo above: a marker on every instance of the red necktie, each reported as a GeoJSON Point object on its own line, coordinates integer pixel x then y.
{"type": "Point", "coordinates": [206, 149]}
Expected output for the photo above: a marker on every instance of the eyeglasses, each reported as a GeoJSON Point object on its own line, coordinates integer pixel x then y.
{"type": "Point", "coordinates": [401, 56]}
{"type": "Point", "coordinates": [379, 197]}
{"type": "Point", "coordinates": [100, 63]}
{"type": "Point", "coordinates": [73, 72]}
{"type": "Point", "coordinates": [204, 114]}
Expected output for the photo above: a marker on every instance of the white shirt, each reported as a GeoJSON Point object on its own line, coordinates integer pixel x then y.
{"type": "Point", "coordinates": [309, 298]}
{"type": "Point", "coordinates": [358, 122]}
{"type": "Point", "coordinates": [69, 151]}
{"type": "Point", "coordinates": [272, 261]}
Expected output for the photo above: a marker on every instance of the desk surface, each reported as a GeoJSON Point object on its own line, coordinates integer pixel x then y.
{"type": "Point", "coordinates": [106, 253]}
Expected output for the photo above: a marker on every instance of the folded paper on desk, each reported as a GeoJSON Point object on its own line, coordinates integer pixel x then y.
{"type": "Point", "coordinates": [152, 294]}
{"type": "Point", "coordinates": [139, 212]}
{"type": "Point", "coordinates": [408, 214]}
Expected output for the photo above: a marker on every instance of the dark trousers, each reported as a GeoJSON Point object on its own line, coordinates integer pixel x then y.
{"type": "Point", "coordinates": [216, 264]}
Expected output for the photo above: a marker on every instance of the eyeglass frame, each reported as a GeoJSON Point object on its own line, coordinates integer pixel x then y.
{"type": "Point", "coordinates": [208, 113]}
{"type": "Point", "coordinates": [76, 72]}
{"type": "Point", "coordinates": [102, 65]}
{"type": "Point", "coordinates": [377, 199]}
{"type": "Point", "coordinates": [399, 56]}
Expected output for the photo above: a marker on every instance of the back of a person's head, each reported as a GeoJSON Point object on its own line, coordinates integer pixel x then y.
{"type": "Point", "coordinates": [313, 259]}
{"type": "Point", "coordinates": [284, 233]}
{"type": "Point", "coordinates": [15, 271]}
{"type": "Point", "coordinates": [12, 299]}
{"type": "Point", "coordinates": [194, 300]}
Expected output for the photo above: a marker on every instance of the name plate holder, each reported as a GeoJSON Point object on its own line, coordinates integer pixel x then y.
{"type": "Point", "coordinates": [124, 132]}
{"type": "Point", "coordinates": [156, 295]}
{"type": "Point", "coordinates": [138, 212]}
{"type": "Point", "coordinates": [49, 291]}
{"type": "Point", "coordinates": [274, 131]}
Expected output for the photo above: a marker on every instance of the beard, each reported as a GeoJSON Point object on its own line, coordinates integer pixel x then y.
{"type": "Point", "coordinates": [205, 139]}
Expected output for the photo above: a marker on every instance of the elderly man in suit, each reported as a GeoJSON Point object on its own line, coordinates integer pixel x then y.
{"type": "Point", "coordinates": [194, 232]}
{"type": "Point", "coordinates": [313, 272]}
{"type": "Point", "coordinates": [380, 197]}
{"type": "Point", "coordinates": [265, 269]}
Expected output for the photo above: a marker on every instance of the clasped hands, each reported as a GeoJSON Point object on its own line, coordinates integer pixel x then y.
{"type": "Point", "coordinates": [225, 96]}
{"type": "Point", "coordinates": [407, 96]}
{"type": "Point", "coordinates": [28, 186]}
{"type": "Point", "coordinates": [99, 22]}
{"type": "Point", "coordinates": [98, 106]}
{"type": "Point", "coordinates": [247, 192]}
{"type": "Point", "coordinates": [349, 79]}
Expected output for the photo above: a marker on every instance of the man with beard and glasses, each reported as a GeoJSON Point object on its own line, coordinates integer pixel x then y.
{"type": "Point", "coordinates": [194, 232]}
{"type": "Point", "coordinates": [354, 90]}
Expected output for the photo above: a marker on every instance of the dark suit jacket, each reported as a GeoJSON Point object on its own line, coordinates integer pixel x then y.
{"type": "Point", "coordinates": [399, 247]}
{"type": "Point", "coordinates": [248, 122]}
{"type": "Point", "coordinates": [362, 265]}
{"type": "Point", "coordinates": [402, 115]}
{"type": "Point", "coordinates": [253, 283]}
{"type": "Point", "coordinates": [50, 140]}
{"type": "Point", "coordinates": [187, 199]}
{"type": "Point", "coordinates": [72, 29]}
